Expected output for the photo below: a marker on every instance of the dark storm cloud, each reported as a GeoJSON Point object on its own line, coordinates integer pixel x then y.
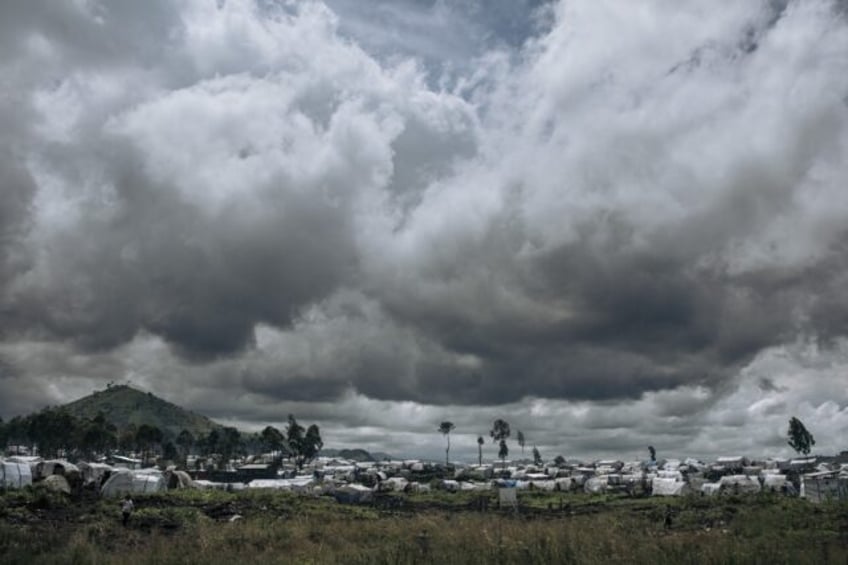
{"type": "Point", "coordinates": [156, 262]}
{"type": "Point", "coordinates": [590, 202]}
{"type": "Point", "coordinates": [18, 192]}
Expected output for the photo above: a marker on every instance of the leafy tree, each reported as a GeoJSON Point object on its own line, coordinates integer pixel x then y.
{"type": "Point", "coordinates": [252, 443]}
{"type": "Point", "coordinates": [445, 428]}
{"type": "Point", "coordinates": [800, 439]}
{"type": "Point", "coordinates": [169, 451]}
{"type": "Point", "coordinates": [521, 442]}
{"type": "Point", "coordinates": [185, 441]}
{"type": "Point", "coordinates": [653, 453]}
{"type": "Point", "coordinates": [17, 431]}
{"type": "Point", "coordinates": [500, 432]}
{"type": "Point", "coordinates": [229, 444]}
{"type": "Point", "coordinates": [294, 434]}
{"type": "Point", "coordinates": [303, 445]}
{"type": "Point", "coordinates": [53, 430]}
{"type": "Point", "coordinates": [480, 442]}
{"type": "Point", "coordinates": [559, 461]}
{"type": "Point", "coordinates": [312, 444]}
{"type": "Point", "coordinates": [537, 457]}
{"type": "Point", "coordinates": [126, 438]}
{"type": "Point", "coordinates": [209, 444]}
{"type": "Point", "coordinates": [98, 435]}
{"type": "Point", "coordinates": [272, 439]}
{"type": "Point", "coordinates": [503, 452]}
{"type": "Point", "coordinates": [148, 439]}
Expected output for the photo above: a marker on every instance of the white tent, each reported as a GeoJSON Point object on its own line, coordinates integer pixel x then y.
{"type": "Point", "coordinates": [739, 484]}
{"type": "Point", "coordinates": [94, 473]}
{"type": "Point", "coordinates": [672, 465]}
{"type": "Point", "coordinates": [31, 460]}
{"type": "Point", "coordinates": [49, 467]}
{"type": "Point", "coordinates": [450, 485]}
{"type": "Point", "coordinates": [634, 479]}
{"type": "Point", "coordinates": [203, 484]}
{"type": "Point", "coordinates": [396, 484]}
{"type": "Point", "coordinates": [271, 484]}
{"type": "Point", "coordinates": [124, 481]}
{"type": "Point", "coordinates": [823, 486]}
{"type": "Point", "coordinates": [631, 467]}
{"type": "Point", "coordinates": [595, 485]}
{"type": "Point", "coordinates": [564, 483]}
{"type": "Point", "coordinates": [776, 463]}
{"type": "Point", "coordinates": [807, 464]}
{"type": "Point", "coordinates": [774, 482]}
{"type": "Point", "coordinates": [673, 475]}
{"type": "Point", "coordinates": [694, 464]}
{"type": "Point", "coordinates": [710, 489]}
{"type": "Point", "coordinates": [126, 462]}
{"type": "Point", "coordinates": [419, 487]}
{"type": "Point", "coordinates": [732, 461]}
{"type": "Point", "coordinates": [547, 485]}
{"type": "Point", "coordinates": [176, 479]}
{"type": "Point", "coordinates": [661, 486]}
{"type": "Point", "coordinates": [353, 494]}
{"type": "Point", "coordinates": [15, 475]}
{"type": "Point", "coordinates": [297, 484]}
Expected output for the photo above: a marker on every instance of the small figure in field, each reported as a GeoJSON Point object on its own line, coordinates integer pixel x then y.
{"type": "Point", "coordinates": [668, 517]}
{"type": "Point", "coordinates": [127, 508]}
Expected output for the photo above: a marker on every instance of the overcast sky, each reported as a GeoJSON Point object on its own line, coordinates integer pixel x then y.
{"type": "Point", "coordinates": [612, 224]}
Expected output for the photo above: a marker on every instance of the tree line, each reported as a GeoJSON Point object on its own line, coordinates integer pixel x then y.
{"type": "Point", "coordinates": [55, 432]}
{"type": "Point", "coordinates": [798, 438]}
{"type": "Point", "coordinates": [499, 433]}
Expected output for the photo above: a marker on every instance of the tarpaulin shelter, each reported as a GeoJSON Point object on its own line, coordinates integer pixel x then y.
{"type": "Point", "coordinates": [824, 486]}
{"type": "Point", "coordinates": [740, 484]}
{"type": "Point", "coordinates": [14, 475]}
{"type": "Point", "coordinates": [353, 494]}
{"type": "Point", "coordinates": [662, 486]}
{"type": "Point", "coordinates": [126, 481]}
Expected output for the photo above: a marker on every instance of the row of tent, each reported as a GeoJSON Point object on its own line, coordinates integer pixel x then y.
{"type": "Point", "coordinates": [117, 482]}
{"type": "Point", "coordinates": [59, 475]}
{"type": "Point", "coordinates": [667, 480]}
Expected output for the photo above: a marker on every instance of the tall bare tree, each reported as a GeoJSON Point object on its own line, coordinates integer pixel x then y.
{"type": "Point", "coordinates": [445, 428]}
{"type": "Point", "coordinates": [480, 442]}
{"type": "Point", "coordinates": [500, 431]}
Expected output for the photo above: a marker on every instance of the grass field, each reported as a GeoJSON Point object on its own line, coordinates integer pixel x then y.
{"type": "Point", "coordinates": [199, 526]}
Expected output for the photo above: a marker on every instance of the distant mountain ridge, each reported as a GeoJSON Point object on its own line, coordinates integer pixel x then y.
{"type": "Point", "coordinates": [123, 406]}
{"type": "Point", "coordinates": [355, 454]}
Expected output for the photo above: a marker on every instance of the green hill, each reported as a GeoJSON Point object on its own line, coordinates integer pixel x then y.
{"type": "Point", "coordinates": [123, 405]}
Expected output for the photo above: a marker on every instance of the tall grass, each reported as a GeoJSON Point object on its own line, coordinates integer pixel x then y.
{"type": "Point", "coordinates": [277, 528]}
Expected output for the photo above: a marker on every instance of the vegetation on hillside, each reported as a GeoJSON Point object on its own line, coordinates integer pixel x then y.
{"type": "Point", "coordinates": [124, 406]}
{"type": "Point", "coordinates": [56, 432]}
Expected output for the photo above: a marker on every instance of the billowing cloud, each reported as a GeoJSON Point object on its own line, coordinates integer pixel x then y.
{"type": "Point", "coordinates": [604, 215]}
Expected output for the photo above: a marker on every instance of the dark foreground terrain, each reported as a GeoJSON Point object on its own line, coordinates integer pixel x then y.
{"type": "Point", "coordinates": [217, 527]}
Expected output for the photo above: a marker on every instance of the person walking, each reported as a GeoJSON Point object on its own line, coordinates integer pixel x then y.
{"type": "Point", "coordinates": [127, 508]}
